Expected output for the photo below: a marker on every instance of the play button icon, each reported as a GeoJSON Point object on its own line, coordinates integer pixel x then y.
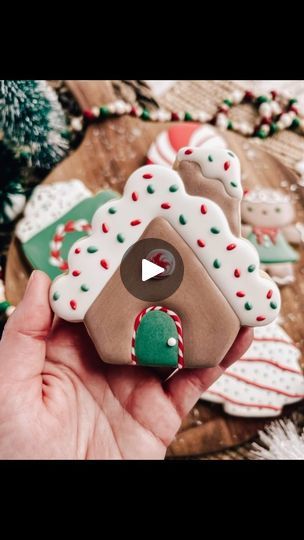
{"type": "Point", "coordinates": [149, 270]}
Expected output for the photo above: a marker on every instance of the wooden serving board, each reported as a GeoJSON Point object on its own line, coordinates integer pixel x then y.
{"type": "Point", "coordinates": [108, 154]}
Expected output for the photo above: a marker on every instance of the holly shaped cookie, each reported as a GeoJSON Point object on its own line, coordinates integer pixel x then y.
{"type": "Point", "coordinates": [222, 289]}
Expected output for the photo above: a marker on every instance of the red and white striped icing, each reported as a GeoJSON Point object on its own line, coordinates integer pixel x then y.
{"type": "Point", "coordinates": [56, 243]}
{"type": "Point", "coordinates": [264, 380]}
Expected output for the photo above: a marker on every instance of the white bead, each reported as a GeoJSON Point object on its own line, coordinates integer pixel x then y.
{"type": "Point", "coordinates": [265, 109]}
{"type": "Point", "coordinates": [300, 167]}
{"type": "Point", "coordinates": [280, 125]}
{"type": "Point", "coordinates": [111, 107]}
{"type": "Point", "coordinates": [237, 96]}
{"type": "Point", "coordinates": [286, 120]}
{"type": "Point", "coordinates": [76, 124]}
{"type": "Point", "coordinates": [221, 121]}
{"type": "Point", "coordinates": [265, 128]}
{"type": "Point", "coordinates": [275, 107]}
{"type": "Point", "coordinates": [203, 116]}
{"type": "Point", "coordinates": [171, 342]}
{"type": "Point", "coordinates": [120, 106]}
{"type": "Point", "coordinates": [95, 111]}
{"type": "Point", "coordinates": [163, 116]}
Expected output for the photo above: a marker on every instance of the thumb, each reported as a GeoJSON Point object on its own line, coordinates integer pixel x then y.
{"type": "Point", "coordinates": [23, 345]}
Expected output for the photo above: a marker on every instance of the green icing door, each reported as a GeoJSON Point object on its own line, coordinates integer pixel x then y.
{"type": "Point", "coordinates": [152, 345]}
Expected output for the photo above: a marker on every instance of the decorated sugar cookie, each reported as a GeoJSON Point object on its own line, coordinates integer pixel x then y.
{"type": "Point", "coordinates": [55, 216]}
{"type": "Point", "coordinates": [222, 286]}
{"type": "Point", "coordinates": [164, 149]}
{"type": "Point", "coordinates": [267, 378]}
{"type": "Point", "coordinates": [269, 217]}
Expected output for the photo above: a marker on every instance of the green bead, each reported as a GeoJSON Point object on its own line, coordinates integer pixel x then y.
{"type": "Point", "coordinates": [261, 99]}
{"type": "Point", "coordinates": [150, 189]}
{"type": "Point", "coordinates": [188, 117]}
{"type": "Point", "coordinates": [217, 263]}
{"type": "Point", "coordinates": [215, 230]}
{"type": "Point", "coordinates": [182, 220]}
{"type": "Point", "coordinates": [104, 112]}
{"type": "Point", "coordinates": [248, 306]}
{"type": "Point", "coordinates": [112, 210]}
{"type": "Point", "coordinates": [292, 101]}
{"type": "Point", "coordinates": [120, 237]}
{"type": "Point", "coordinates": [84, 287]}
{"type": "Point", "coordinates": [273, 128]}
{"type": "Point", "coordinates": [251, 268]}
{"type": "Point", "coordinates": [56, 296]}
{"type": "Point", "coordinates": [261, 134]}
{"type": "Point", "coordinates": [295, 123]}
{"type": "Point", "coordinates": [273, 305]}
{"type": "Point", "coordinates": [173, 188]}
{"type": "Point", "coordinates": [66, 134]}
{"type": "Point", "coordinates": [228, 102]}
{"type": "Point", "coordinates": [3, 306]}
{"type": "Point", "coordinates": [229, 125]}
{"type": "Point", "coordinates": [233, 184]}
{"type": "Point", "coordinates": [210, 158]}
{"type": "Point", "coordinates": [145, 115]}
{"type": "Point", "coordinates": [92, 249]}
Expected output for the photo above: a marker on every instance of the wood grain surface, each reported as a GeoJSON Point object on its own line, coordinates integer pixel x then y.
{"type": "Point", "coordinates": [109, 152]}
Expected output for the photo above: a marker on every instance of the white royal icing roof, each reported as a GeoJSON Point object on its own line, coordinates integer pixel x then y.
{"type": "Point", "coordinates": [48, 203]}
{"type": "Point", "coordinates": [155, 191]}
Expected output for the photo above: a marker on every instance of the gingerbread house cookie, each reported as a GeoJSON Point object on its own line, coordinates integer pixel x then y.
{"type": "Point", "coordinates": [197, 210]}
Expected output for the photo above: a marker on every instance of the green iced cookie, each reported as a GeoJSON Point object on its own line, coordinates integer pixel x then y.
{"type": "Point", "coordinates": [151, 342]}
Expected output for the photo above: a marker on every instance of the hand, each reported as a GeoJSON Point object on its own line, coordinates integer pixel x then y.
{"type": "Point", "coordinates": [58, 400]}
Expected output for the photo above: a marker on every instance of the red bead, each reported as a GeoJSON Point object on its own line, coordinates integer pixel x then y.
{"type": "Point", "coordinates": [89, 115]}
{"type": "Point", "coordinates": [148, 176]}
{"type": "Point", "coordinates": [134, 196]}
{"type": "Point", "coordinates": [269, 294]}
{"type": "Point", "coordinates": [75, 273]}
{"type": "Point", "coordinates": [73, 304]}
{"type": "Point", "coordinates": [77, 250]}
{"type": "Point", "coordinates": [64, 266]}
{"type": "Point", "coordinates": [223, 110]}
{"type": "Point", "coordinates": [135, 222]}
{"type": "Point", "coordinates": [237, 272]}
{"type": "Point", "coordinates": [166, 205]}
{"type": "Point", "coordinates": [201, 243]}
{"type": "Point", "coordinates": [174, 117]}
{"type": "Point", "coordinates": [188, 152]}
{"type": "Point", "coordinates": [260, 318]}
{"type": "Point", "coordinates": [105, 228]}
{"type": "Point", "coordinates": [230, 247]}
{"type": "Point", "coordinates": [273, 94]}
{"type": "Point", "coordinates": [240, 294]}
{"type": "Point", "coordinates": [266, 120]}
{"type": "Point", "coordinates": [204, 209]}
{"type": "Point", "coordinates": [249, 95]}
{"type": "Point", "coordinates": [133, 111]}
{"type": "Point", "coordinates": [104, 264]}
{"type": "Point", "coordinates": [294, 109]}
{"type": "Point", "coordinates": [226, 165]}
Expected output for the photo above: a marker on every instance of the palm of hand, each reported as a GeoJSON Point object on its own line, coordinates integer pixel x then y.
{"type": "Point", "coordinates": [59, 401]}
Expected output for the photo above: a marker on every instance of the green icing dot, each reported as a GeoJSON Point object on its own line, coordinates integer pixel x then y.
{"type": "Point", "coordinates": [92, 249]}
{"type": "Point", "coordinates": [215, 230]}
{"type": "Point", "coordinates": [120, 237]}
{"type": "Point", "coordinates": [273, 305]}
{"type": "Point", "coordinates": [173, 188]}
{"type": "Point", "coordinates": [231, 154]}
{"type": "Point", "coordinates": [150, 189]}
{"type": "Point", "coordinates": [84, 287]}
{"type": "Point", "coordinates": [251, 268]}
{"type": "Point", "coordinates": [248, 306]}
{"type": "Point", "coordinates": [182, 220]}
{"type": "Point", "coordinates": [210, 158]}
{"type": "Point", "coordinates": [112, 210]}
{"type": "Point", "coordinates": [217, 263]}
{"type": "Point", "coordinates": [233, 184]}
{"type": "Point", "coordinates": [56, 296]}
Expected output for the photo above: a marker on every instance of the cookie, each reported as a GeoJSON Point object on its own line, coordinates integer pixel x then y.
{"type": "Point", "coordinates": [222, 288]}
{"type": "Point", "coordinates": [264, 380]}
{"type": "Point", "coordinates": [55, 216]}
{"type": "Point", "coordinates": [269, 215]}
{"type": "Point", "coordinates": [166, 145]}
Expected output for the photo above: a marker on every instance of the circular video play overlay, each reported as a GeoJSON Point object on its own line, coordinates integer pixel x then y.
{"type": "Point", "coordinates": [152, 269]}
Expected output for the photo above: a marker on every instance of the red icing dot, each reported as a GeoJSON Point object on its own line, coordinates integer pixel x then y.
{"type": "Point", "coordinates": [148, 176]}
{"type": "Point", "coordinates": [134, 196]}
{"type": "Point", "coordinates": [135, 222]}
{"type": "Point", "coordinates": [77, 251]}
{"type": "Point", "coordinates": [204, 209]}
{"type": "Point", "coordinates": [237, 272]}
{"type": "Point", "coordinates": [226, 165]}
{"type": "Point", "coordinates": [58, 238]}
{"type": "Point", "coordinates": [230, 247]}
{"type": "Point", "coordinates": [76, 273]}
{"type": "Point", "coordinates": [104, 264]}
{"type": "Point", "coordinates": [105, 228]}
{"type": "Point", "coordinates": [73, 304]}
{"type": "Point", "coordinates": [166, 205]}
{"type": "Point", "coordinates": [240, 294]}
{"type": "Point", "coordinates": [260, 318]}
{"type": "Point", "coordinates": [269, 294]}
{"type": "Point", "coordinates": [201, 243]}
{"type": "Point", "coordinates": [188, 152]}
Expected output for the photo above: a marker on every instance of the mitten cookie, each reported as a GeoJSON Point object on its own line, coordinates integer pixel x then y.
{"type": "Point", "coordinates": [222, 288]}
{"type": "Point", "coordinates": [269, 216]}
{"type": "Point", "coordinates": [264, 380]}
{"type": "Point", "coordinates": [55, 216]}
{"type": "Point", "coordinates": [166, 145]}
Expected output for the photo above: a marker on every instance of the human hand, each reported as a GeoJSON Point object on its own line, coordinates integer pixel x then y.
{"type": "Point", "coordinates": [58, 400]}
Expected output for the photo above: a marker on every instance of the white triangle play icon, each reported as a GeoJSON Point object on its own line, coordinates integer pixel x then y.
{"type": "Point", "coordinates": [149, 270]}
